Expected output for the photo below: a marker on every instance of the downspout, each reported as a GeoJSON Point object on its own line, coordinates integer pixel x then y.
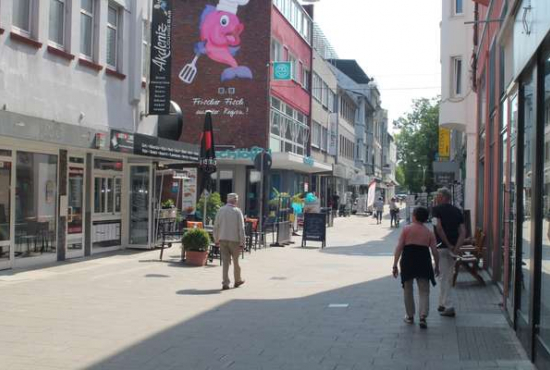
{"type": "Point", "coordinates": [474, 52]}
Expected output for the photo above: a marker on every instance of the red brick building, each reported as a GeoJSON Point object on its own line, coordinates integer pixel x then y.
{"type": "Point", "coordinates": [222, 61]}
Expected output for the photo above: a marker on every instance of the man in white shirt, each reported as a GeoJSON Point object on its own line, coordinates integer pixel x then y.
{"type": "Point", "coordinates": [229, 236]}
{"type": "Point", "coordinates": [379, 207]}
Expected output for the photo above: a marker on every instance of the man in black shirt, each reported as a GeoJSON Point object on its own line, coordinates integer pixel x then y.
{"type": "Point", "coordinates": [450, 233]}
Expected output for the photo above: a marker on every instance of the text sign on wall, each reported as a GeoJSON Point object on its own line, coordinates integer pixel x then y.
{"type": "Point", "coordinates": [161, 57]}
{"type": "Point", "coordinates": [444, 143]}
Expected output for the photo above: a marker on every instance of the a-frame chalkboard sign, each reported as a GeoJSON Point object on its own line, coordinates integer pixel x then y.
{"type": "Point", "coordinates": [315, 228]}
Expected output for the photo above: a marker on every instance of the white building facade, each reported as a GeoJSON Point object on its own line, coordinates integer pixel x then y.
{"type": "Point", "coordinates": [72, 98]}
{"type": "Point", "coordinates": [458, 99]}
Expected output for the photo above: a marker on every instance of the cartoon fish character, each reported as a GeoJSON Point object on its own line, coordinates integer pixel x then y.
{"type": "Point", "coordinates": [220, 32]}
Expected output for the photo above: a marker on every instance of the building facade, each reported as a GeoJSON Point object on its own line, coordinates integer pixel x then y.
{"type": "Point", "coordinates": [73, 99]}
{"type": "Point", "coordinates": [458, 104]}
{"type": "Point", "coordinates": [511, 72]}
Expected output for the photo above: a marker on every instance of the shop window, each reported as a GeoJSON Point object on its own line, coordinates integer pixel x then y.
{"type": "Point", "coordinates": [458, 7]}
{"type": "Point", "coordinates": [5, 204]}
{"type": "Point", "coordinates": [58, 20]}
{"type": "Point", "coordinates": [545, 263]}
{"type": "Point", "coordinates": [36, 204]}
{"type": "Point", "coordinates": [107, 194]}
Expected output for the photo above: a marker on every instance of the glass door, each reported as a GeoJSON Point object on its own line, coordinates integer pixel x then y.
{"type": "Point", "coordinates": [140, 206]}
{"type": "Point", "coordinates": [512, 209]}
{"type": "Point", "coordinates": [5, 210]}
{"type": "Point", "coordinates": [75, 211]}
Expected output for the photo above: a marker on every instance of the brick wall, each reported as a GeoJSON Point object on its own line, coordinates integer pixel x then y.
{"type": "Point", "coordinates": [245, 123]}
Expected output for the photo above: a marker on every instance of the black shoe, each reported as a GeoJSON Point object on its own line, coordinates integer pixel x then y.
{"type": "Point", "coordinates": [225, 287]}
{"type": "Point", "coordinates": [441, 308]}
{"type": "Point", "coordinates": [422, 323]}
{"type": "Point", "coordinates": [449, 312]}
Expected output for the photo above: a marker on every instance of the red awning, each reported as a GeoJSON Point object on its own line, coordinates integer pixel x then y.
{"type": "Point", "coordinates": [482, 2]}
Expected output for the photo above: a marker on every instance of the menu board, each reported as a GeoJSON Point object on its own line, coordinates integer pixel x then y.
{"type": "Point", "coordinates": [189, 190]}
{"type": "Point", "coordinates": [315, 228]}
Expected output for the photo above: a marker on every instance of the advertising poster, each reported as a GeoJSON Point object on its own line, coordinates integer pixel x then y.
{"type": "Point", "coordinates": [220, 64]}
{"type": "Point", "coordinates": [189, 191]}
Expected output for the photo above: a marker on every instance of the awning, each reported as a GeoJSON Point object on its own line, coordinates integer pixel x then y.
{"type": "Point", "coordinates": [295, 162]}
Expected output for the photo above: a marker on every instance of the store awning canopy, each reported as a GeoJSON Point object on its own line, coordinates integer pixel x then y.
{"type": "Point", "coordinates": [295, 162]}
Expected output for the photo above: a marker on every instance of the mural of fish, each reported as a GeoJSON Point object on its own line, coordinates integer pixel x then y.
{"type": "Point", "coordinates": [220, 33]}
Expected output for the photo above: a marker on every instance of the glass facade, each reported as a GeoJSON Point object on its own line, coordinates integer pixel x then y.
{"type": "Point", "coordinates": [5, 204]}
{"type": "Point", "coordinates": [289, 129]}
{"type": "Point", "coordinates": [35, 204]}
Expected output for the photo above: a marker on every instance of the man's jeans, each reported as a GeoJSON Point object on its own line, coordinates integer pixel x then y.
{"type": "Point", "coordinates": [446, 267]}
{"type": "Point", "coordinates": [230, 250]}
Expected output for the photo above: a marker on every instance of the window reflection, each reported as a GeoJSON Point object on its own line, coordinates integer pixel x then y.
{"type": "Point", "coordinates": [35, 204]}
{"type": "Point", "coordinates": [545, 273]}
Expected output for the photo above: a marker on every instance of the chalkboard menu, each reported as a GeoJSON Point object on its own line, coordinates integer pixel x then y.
{"type": "Point", "coordinates": [315, 228]}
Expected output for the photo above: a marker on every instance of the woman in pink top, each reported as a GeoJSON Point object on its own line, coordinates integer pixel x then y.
{"type": "Point", "coordinates": [413, 254]}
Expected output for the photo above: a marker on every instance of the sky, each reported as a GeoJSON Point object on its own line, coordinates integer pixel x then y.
{"type": "Point", "coordinates": [394, 41]}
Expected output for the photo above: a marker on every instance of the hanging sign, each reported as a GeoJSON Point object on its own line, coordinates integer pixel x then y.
{"type": "Point", "coordinates": [161, 58]}
{"type": "Point", "coordinates": [444, 143]}
{"type": "Point", "coordinates": [282, 71]}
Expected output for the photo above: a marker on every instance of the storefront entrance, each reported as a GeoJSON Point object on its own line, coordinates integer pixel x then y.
{"type": "Point", "coordinates": [140, 214]}
{"type": "Point", "coordinates": [76, 193]}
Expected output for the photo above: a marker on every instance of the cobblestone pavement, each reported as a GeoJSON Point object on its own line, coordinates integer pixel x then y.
{"type": "Point", "coordinates": [301, 308]}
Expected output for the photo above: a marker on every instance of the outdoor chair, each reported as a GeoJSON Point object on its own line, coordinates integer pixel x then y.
{"type": "Point", "coordinates": [469, 257]}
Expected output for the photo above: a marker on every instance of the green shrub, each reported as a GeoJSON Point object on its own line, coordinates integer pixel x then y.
{"type": "Point", "coordinates": [213, 205]}
{"type": "Point", "coordinates": [196, 240]}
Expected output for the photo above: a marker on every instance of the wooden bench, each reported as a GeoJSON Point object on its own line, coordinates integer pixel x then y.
{"type": "Point", "coordinates": [469, 256]}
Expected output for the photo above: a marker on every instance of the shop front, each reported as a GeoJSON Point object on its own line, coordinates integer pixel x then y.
{"type": "Point", "coordinates": [525, 191]}
{"type": "Point", "coordinates": [59, 202]}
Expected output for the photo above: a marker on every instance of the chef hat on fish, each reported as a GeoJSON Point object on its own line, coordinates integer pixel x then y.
{"type": "Point", "coordinates": [231, 6]}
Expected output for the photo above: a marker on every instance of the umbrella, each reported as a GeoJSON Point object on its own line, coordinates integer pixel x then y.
{"type": "Point", "coordinates": [207, 157]}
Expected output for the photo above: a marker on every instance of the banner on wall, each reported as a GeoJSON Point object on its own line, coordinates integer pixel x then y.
{"type": "Point", "coordinates": [333, 134]}
{"type": "Point", "coordinates": [161, 58]}
{"type": "Point", "coordinates": [371, 194]}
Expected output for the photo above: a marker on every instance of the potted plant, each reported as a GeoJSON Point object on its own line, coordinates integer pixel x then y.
{"type": "Point", "coordinates": [196, 243]}
{"type": "Point", "coordinates": [167, 207]}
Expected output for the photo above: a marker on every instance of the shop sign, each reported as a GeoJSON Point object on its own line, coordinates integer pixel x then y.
{"type": "Point", "coordinates": [161, 57]}
{"type": "Point", "coordinates": [161, 148]}
{"type": "Point", "coordinates": [444, 143]}
{"type": "Point", "coordinates": [100, 140]}
{"type": "Point", "coordinates": [444, 178]}
{"type": "Point", "coordinates": [333, 134]}
{"type": "Point", "coordinates": [122, 142]}
{"type": "Point", "coordinates": [282, 71]}
{"type": "Point", "coordinates": [240, 154]}
{"type": "Point", "coordinates": [308, 161]}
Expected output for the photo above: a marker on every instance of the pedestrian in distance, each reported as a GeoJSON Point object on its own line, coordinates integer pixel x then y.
{"type": "Point", "coordinates": [394, 213]}
{"type": "Point", "coordinates": [229, 236]}
{"type": "Point", "coordinates": [379, 207]}
{"type": "Point", "coordinates": [415, 262]}
{"type": "Point", "coordinates": [450, 233]}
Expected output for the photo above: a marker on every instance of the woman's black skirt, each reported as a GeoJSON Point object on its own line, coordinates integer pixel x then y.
{"type": "Point", "coordinates": [416, 263]}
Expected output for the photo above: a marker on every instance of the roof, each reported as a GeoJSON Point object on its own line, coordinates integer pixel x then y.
{"type": "Point", "coordinates": [352, 69]}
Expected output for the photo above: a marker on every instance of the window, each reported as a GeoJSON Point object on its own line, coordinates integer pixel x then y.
{"type": "Point", "coordinates": [112, 35]}
{"type": "Point", "coordinates": [146, 47]}
{"type": "Point", "coordinates": [57, 22]}
{"type": "Point", "coordinates": [87, 28]}
{"type": "Point", "coordinates": [276, 51]}
{"type": "Point", "coordinates": [331, 97]}
{"type": "Point", "coordinates": [317, 87]}
{"type": "Point", "coordinates": [324, 98]}
{"type": "Point", "coordinates": [458, 7]}
{"type": "Point", "coordinates": [457, 76]}
{"type": "Point", "coordinates": [294, 66]}
{"type": "Point", "coordinates": [316, 135]}
{"type": "Point", "coordinates": [22, 15]}
{"type": "Point", "coordinates": [306, 75]}
{"type": "Point", "coordinates": [289, 130]}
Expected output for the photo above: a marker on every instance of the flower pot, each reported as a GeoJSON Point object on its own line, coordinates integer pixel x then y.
{"type": "Point", "coordinates": [194, 258]}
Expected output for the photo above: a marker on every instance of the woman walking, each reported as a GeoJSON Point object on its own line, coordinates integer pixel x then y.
{"type": "Point", "coordinates": [413, 254]}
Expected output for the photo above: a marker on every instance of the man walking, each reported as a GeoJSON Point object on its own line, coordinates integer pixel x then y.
{"type": "Point", "coordinates": [379, 207]}
{"type": "Point", "coordinates": [229, 236]}
{"type": "Point", "coordinates": [450, 233]}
